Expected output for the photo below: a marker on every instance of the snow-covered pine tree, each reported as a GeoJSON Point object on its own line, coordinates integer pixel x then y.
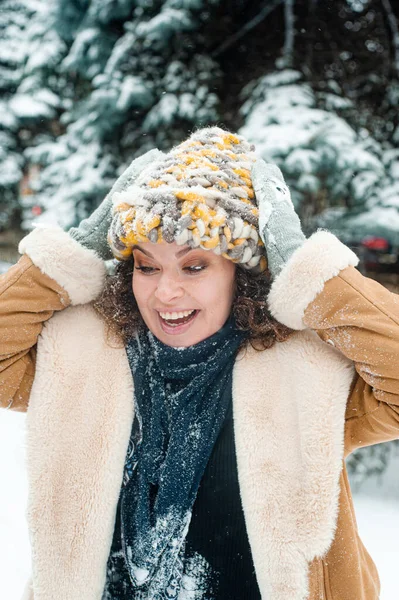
{"type": "Point", "coordinates": [128, 76]}
{"type": "Point", "coordinates": [339, 178]}
{"type": "Point", "coordinates": [97, 82]}
{"type": "Point", "coordinates": [31, 91]}
{"type": "Point", "coordinates": [14, 19]}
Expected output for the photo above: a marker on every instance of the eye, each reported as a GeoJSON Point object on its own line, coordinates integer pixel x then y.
{"type": "Point", "coordinates": [193, 269]}
{"type": "Point", "coordinates": [146, 270]}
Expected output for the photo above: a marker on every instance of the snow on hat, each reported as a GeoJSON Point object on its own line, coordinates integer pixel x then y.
{"type": "Point", "coordinates": [200, 194]}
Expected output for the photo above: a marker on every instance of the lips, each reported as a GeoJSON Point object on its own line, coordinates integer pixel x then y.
{"type": "Point", "coordinates": [176, 316]}
{"type": "Point", "coordinates": [181, 325]}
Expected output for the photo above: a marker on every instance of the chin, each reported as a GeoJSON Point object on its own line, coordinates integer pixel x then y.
{"type": "Point", "coordinates": [180, 341]}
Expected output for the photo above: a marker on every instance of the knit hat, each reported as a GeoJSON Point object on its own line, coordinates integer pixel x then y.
{"type": "Point", "coordinates": [200, 194]}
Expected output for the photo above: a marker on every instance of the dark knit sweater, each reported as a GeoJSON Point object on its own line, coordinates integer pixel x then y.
{"type": "Point", "coordinates": [217, 534]}
{"type": "Point", "coordinates": [217, 530]}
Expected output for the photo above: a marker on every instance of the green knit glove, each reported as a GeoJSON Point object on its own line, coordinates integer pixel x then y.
{"type": "Point", "coordinates": [92, 232]}
{"type": "Point", "coordinates": [279, 224]}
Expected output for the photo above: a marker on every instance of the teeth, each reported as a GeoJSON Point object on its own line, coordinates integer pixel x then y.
{"type": "Point", "coordinates": [175, 315]}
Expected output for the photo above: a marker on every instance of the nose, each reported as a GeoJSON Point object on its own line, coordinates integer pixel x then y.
{"type": "Point", "coordinates": [169, 288]}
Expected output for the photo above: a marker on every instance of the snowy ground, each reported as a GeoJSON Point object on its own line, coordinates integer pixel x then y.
{"type": "Point", "coordinates": [377, 513]}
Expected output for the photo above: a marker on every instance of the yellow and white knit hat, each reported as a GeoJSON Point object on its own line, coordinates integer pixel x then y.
{"type": "Point", "coordinates": [200, 194]}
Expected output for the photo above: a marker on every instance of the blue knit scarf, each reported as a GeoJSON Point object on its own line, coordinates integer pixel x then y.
{"type": "Point", "coordinates": [181, 399]}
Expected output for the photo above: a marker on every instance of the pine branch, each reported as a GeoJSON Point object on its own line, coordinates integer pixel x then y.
{"type": "Point", "coordinates": [268, 7]}
{"type": "Point", "coordinates": [393, 25]}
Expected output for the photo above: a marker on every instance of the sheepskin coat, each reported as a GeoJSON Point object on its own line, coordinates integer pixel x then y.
{"type": "Point", "coordinates": [299, 408]}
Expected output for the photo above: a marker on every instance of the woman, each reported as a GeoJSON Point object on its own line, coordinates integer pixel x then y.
{"type": "Point", "coordinates": [257, 361]}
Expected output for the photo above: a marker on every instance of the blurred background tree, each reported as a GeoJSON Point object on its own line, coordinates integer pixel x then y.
{"type": "Point", "coordinates": [87, 85]}
{"type": "Point", "coordinates": [90, 84]}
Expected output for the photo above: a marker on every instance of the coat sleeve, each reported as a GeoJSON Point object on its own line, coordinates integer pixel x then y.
{"type": "Point", "coordinates": [319, 288]}
{"type": "Point", "coordinates": [54, 272]}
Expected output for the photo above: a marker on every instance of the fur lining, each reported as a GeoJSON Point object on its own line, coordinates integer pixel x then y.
{"type": "Point", "coordinates": [75, 268]}
{"type": "Point", "coordinates": [319, 259]}
{"type": "Point", "coordinates": [289, 416]}
{"type": "Point", "coordinates": [78, 428]}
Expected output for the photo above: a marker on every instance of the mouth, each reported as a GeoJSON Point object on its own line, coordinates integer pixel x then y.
{"type": "Point", "coordinates": [177, 323]}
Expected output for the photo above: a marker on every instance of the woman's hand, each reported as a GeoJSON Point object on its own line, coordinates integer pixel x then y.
{"type": "Point", "coordinates": [279, 224]}
{"type": "Point", "coordinates": [92, 232]}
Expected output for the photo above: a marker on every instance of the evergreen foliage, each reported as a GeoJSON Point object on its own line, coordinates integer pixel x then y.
{"type": "Point", "coordinates": [90, 84]}
{"type": "Point", "coordinates": [339, 178]}
{"type": "Point", "coordinates": [100, 83]}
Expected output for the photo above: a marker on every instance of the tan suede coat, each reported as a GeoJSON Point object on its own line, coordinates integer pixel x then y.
{"type": "Point", "coordinates": [334, 395]}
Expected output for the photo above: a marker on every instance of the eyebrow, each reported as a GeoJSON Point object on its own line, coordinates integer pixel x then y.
{"type": "Point", "coordinates": [178, 254]}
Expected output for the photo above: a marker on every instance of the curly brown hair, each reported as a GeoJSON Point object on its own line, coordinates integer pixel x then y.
{"type": "Point", "coordinates": [118, 307]}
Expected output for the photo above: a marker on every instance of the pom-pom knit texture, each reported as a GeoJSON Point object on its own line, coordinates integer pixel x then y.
{"type": "Point", "coordinates": [201, 195]}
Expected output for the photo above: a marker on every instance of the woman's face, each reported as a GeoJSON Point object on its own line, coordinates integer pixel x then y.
{"type": "Point", "coordinates": [169, 280]}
